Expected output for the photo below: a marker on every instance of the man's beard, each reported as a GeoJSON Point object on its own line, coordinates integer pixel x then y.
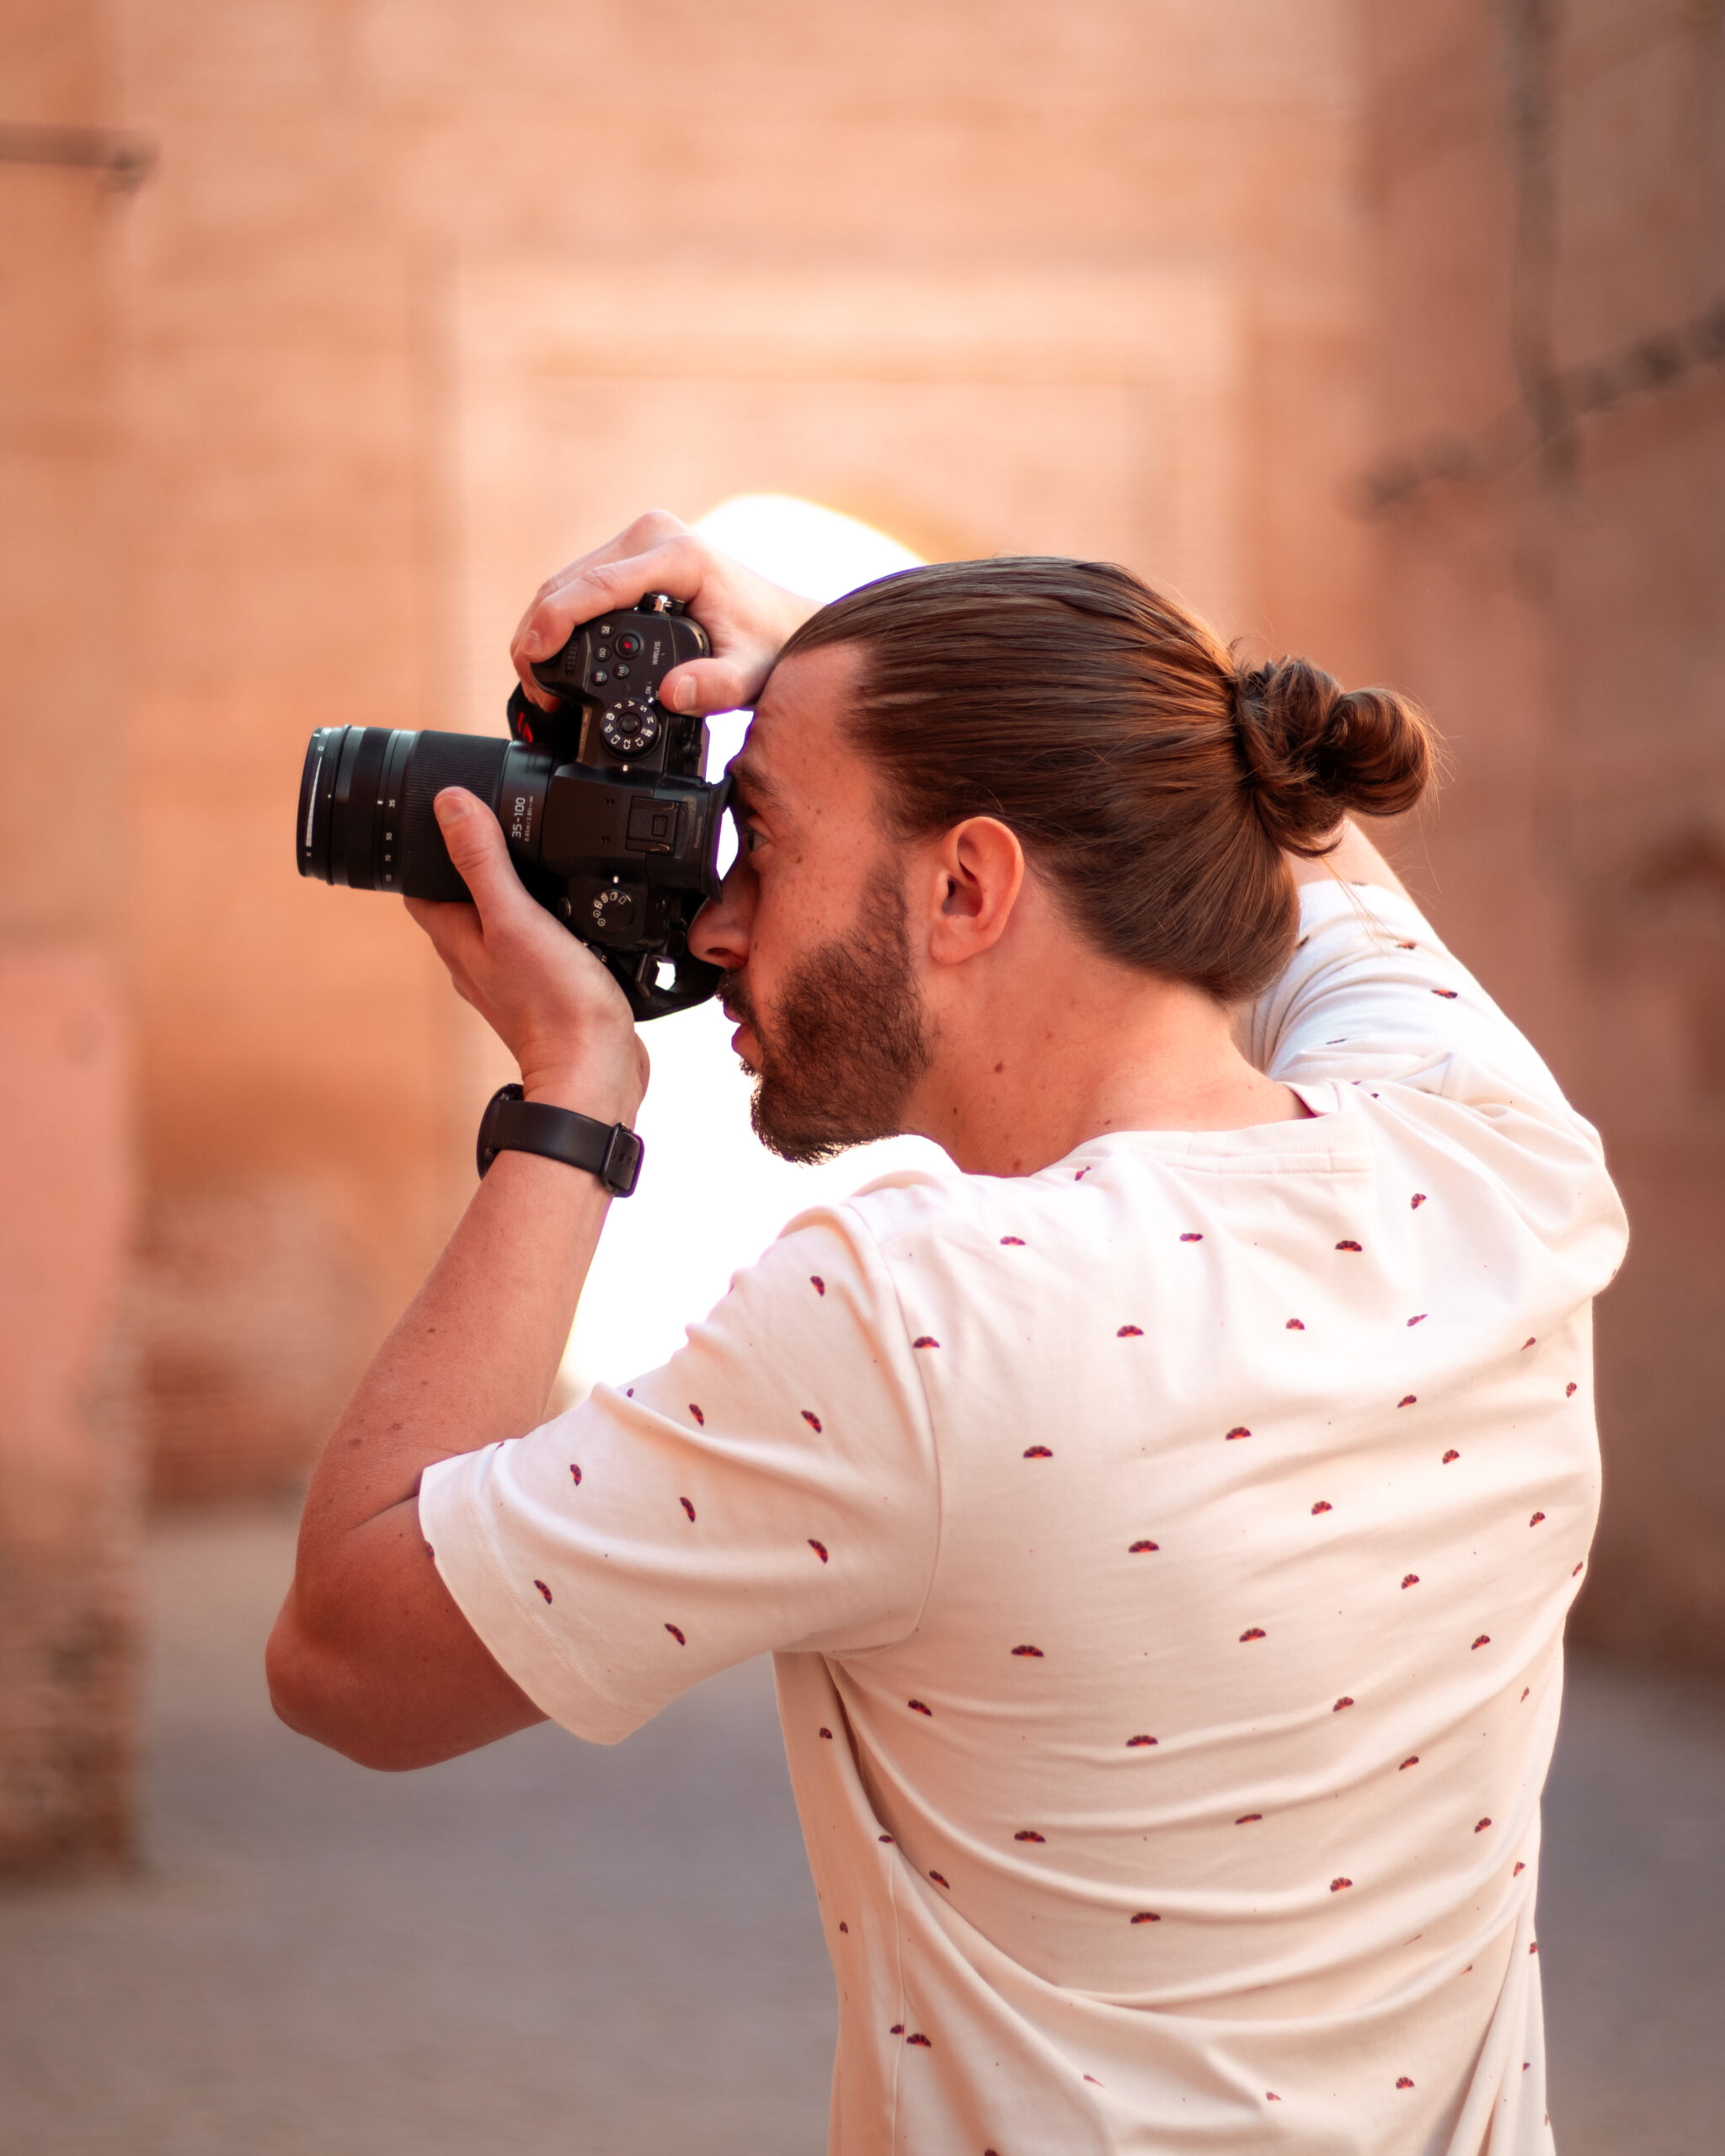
{"type": "Point", "coordinates": [846, 1043]}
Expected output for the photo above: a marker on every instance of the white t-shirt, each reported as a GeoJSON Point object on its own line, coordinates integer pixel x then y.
{"type": "Point", "coordinates": [1166, 1556]}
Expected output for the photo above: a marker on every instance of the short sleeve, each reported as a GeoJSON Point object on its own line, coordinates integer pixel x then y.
{"type": "Point", "coordinates": [773, 1487]}
{"type": "Point", "coordinates": [1371, 994]}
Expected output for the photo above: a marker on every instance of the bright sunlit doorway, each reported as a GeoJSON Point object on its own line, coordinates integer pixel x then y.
{"type": "Point", "coordinates": [711, 1198]}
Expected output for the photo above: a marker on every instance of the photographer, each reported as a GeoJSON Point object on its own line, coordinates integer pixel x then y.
{"type": "Point", "coordinates": [1165, 1523]}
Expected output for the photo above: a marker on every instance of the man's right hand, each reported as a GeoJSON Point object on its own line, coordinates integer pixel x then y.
{"type": "Point", "coordinates": [747, 619]}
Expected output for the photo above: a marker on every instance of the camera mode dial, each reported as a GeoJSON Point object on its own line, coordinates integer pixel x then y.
{"type": "Point", "coordinates": [615, 912]}
{"type": "Point", "coordinates": [626, 728]}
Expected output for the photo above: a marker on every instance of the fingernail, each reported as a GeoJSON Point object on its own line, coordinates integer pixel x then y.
{"type": "Point", "coordinates": [450, 806]}
{"type": "Point", "coordinates": [686, 693]}
{"type": "Point", "coordinates": [532, 643]}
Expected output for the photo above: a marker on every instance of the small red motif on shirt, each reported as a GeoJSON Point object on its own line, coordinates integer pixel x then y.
{"type": "Point", "coordinates": [1482, 1826]}
{"type": "Point", "coordinates": [1448, 995]}
{"type": "Point", "coordinates": [1577, 1569]}
{"type": "Point", "coordinates": [1257, 1632]}
{"type": "Point", "coordinates": [1402, 2082]}
{"type": "Point", "coordinates": [817, 1284]}
{"type": "Point", "coordinates": [1569, 1389]}
{"type": "Point", "coordinates": [1533, 1946]}
{"type": "Point", "coordinates": [1529, 1342]}
{"type": "Point", "coordinates": [1037, 1452]}
{"type": "Point", "coordinates": [576, 1472]}
{"type": "Point", "coordinates": [1146, 1916]}
{"type": "Point", "coordinates": [926, 1341]}
{"type": "Point", "coordinates": [843, 1926]}
{"type": "Point", "coordinates": [1294, 1325]}
{"type": "Point", "coordinates": [1451, 1455]}
{"type": "Point", "coordinates": [1410, 1579]}
{"type": "Point", "coordinates": [919, 2038]}
{"type": "Point", "coordinates": [1239, 1430]}
{"type": "Point", "coordinates": [1346, 1701]}
{"type": "Point", "coordinates": [884, 1838]}
{"type": "Point", "coordinates": [1011, 1242]}
{"type": "Point", "coordinates": [1131, 1332]}
{"type": "Point", "coordinates": [696, 1413]}
{"type": "Point", "coordinates": [1027, 1834]}
{"type": "Point", "coordinates": [1348, 1245]}
{"type": "Point", "coordinates": [1483, 1641]}
{"type": "Point", "coordinates": [1191, 1237]}
{"type": "Point", "coordinates": [1246, 1818]}
{"type": "Point", "coordinates": [686, 1506]}
{"type": "Point", "coordinates": [1037, 1652]}
{"type": "Point", "coordinates": [1138, 1548]}
{"type": "Point", "coordinates": [826, 1733]}
{"type": "Point", "coordinates": [1416, 1201]}
{"type": "Point", "coordinates": [818, 1548]}
{"type": "Point", "coordinates": [543, 1589]}
{"type": "Point", "coordinates": [940, 1880]}
{"type": "Point", "coordinates": [1271, 2097]}
{"type": "Point", "coordinates": [1526, 1689]}
{"type": "Point", "coordinates": [1517, 1871]}
{"type": "Point", "coordinates": [1408, 1400]}
{"type": "Point", "coordinates": [1131, 1740]}
{"type": "Point", "coordinates": [1421, 1319]}
{"type": "Point", "coordinates": [676, 1635]}
{"type": "Point", "coordinates": [896, 2030]}
{"type": "Point", "coordinates": [1407, 947]}
{"type": "Point", "coordinates": [1536, 1520]}
{"type": "Point", "coordinates": [1323, 1505]}
{"type": "Point", "coordinates": [811, 1418]}
{"type": "Point", "coordinates": [917, 1707]}
{"type": "Point", "coordinates": [1411, 1761]}
{"type": "Point", "coordinates": [1336, 1885]}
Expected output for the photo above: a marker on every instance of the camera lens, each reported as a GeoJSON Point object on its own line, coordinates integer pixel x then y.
{"type": "Point", "coordinates": [365, 815]}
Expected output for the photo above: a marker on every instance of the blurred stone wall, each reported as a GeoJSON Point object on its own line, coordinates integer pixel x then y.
{"type": "Point", "coordinates": [1548, 189]}
{"type": "Point", "coordinates": [67, 1467]}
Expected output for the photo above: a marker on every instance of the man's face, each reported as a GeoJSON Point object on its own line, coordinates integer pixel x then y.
{"type": "Point", "coordinates": [812, 930]}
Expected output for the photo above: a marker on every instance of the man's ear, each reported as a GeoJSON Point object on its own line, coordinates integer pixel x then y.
{"type": "Point", "coordinates": [979, 871]}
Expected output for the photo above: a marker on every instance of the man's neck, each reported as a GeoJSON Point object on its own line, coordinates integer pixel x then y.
{"type": "Point", "coordinates": [1029, 1062]}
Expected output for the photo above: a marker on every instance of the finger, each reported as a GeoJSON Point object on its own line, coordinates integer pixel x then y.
{"type": "Point", "coordinates": [730, 682]}
{"type": "Point", "coordinates": [677, 564]}
{"type": "Point", "coordinates": [480, 856]}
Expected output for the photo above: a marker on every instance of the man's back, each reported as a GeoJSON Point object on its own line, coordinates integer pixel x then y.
{"type": "Point", "coordinates": [1166, 1555]}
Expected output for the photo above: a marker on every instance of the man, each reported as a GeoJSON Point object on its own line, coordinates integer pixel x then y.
{"type": "Point", "coordinates": [1164, 1524]}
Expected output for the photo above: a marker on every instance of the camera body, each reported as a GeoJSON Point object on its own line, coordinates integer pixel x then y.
{"type": "Point", "coordinates": [609, 822]}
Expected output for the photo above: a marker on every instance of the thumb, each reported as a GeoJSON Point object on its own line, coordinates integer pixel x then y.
{"type": "Point", "coordinates": [731, 682]}
{"type": "Point", "coordinates": [477, 850]}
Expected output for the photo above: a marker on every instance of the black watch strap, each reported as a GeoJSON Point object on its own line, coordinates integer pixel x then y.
{"type": "Point", "coordinates": [610, 1150]}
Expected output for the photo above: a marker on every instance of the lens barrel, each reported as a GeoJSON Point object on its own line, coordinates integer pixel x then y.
{"type": "Point", "coordinates": [365, 815]}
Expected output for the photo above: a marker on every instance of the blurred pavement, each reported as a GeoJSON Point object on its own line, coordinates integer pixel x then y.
{"type": "Point", "coordinates": [554, 1947]}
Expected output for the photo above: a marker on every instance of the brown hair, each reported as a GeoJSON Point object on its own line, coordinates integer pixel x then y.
{"type": "Point", "coordinates": [1152, 781]}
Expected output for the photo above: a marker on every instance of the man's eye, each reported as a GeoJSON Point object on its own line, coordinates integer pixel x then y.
{"type": "Point", "coordinates": [752, 838]}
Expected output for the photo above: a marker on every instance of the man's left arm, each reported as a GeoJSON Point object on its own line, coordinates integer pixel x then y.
{"type": "Point", "coordinates": [370, 1654]}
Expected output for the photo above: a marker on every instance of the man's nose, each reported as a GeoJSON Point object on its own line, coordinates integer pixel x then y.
{"type": "Point", "coordinates": [719, 932]}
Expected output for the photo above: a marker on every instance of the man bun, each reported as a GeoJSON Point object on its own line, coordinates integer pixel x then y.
{"type": "Point", "coordinates": [1314, 751]}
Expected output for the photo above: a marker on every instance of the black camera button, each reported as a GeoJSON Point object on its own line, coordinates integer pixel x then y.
{"type": "Point", "coordinates": [600, 674]}
{"type": "Point", "coordinates": [622, 669]}
{"type": "Point", "coordinates": [628, 643]}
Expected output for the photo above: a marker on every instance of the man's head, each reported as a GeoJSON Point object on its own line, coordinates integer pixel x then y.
{"type": "Point", "coordinates": [997, 772]}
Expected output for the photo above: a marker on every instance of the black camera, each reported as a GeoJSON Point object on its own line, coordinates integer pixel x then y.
{"type": "Point", "coordinates": [609, 822]}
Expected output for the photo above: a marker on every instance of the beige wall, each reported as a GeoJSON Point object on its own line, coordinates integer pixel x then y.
{"type": "Point", "coordinates": [67, 1479]}
{"type": "Point", "coordinates": [1561, 614]}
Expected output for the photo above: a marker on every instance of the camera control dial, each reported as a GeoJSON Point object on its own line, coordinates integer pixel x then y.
{"type": "Point", "coordinates": [628, 728]}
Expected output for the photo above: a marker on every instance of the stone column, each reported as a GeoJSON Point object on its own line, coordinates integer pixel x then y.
{"type": "Point", "coordinates": [67, 1508]}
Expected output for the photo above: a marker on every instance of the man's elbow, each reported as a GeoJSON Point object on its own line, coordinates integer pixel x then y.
{"type": "Point", "coordinates": [314, 1693]}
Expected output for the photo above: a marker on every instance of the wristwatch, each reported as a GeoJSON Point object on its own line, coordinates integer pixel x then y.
{"type": "Point", "coordinates": [610, 1150]}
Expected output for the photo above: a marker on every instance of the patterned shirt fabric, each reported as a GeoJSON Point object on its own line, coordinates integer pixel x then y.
{"type": "Point", "coordinates": [1166, 1557]}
